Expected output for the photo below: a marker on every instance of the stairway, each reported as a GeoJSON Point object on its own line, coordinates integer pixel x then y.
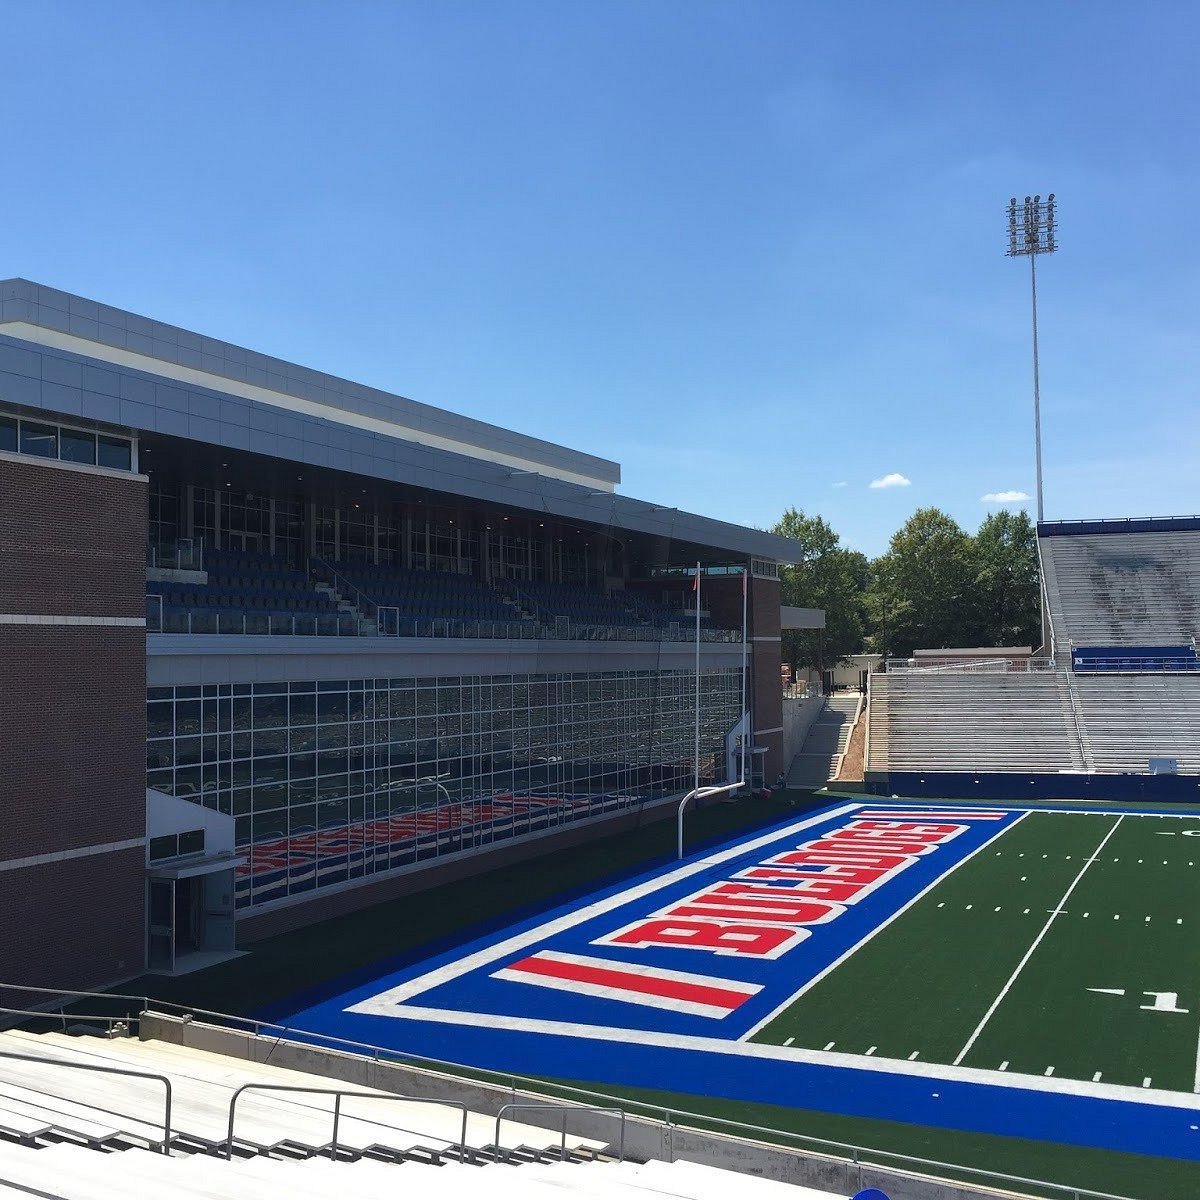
{"type": "Point", "coordinates": [827, 739]}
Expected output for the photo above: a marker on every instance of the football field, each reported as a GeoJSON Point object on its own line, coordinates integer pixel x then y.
{"type": "Point", "coordinates": [1069, 947]}
{"type": "Point", "coordinates": [999, 969]}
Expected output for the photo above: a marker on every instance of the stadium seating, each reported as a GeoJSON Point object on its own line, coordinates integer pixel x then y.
{"type": "Point", "coordinates": [1122, 589]}
{"type": "Point", "coordinates": [1125, 720]}
{"type": "Point", "coordinates": [972, 721]}
{"type": "Point", "coordinates": [245, 593]}
{"type": "Point", "coordinates": [1134, 658]}
{"type": "Point", "coordinates": [81, 1135]}
{"type": "Point", "coordinates": [421, 597]}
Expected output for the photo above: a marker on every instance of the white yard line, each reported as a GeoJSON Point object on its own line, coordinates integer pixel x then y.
{"type": "Point", "coordinates": [833, 966]}
{"type": "Point", "coordinates": [1037, 941]}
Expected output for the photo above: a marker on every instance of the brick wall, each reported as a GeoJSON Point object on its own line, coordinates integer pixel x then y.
{"type": "Point", "coordinates": [72, 723]}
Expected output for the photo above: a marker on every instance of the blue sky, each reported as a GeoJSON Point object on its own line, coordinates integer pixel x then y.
{"type": "Point", "coordinates": [752, 250]}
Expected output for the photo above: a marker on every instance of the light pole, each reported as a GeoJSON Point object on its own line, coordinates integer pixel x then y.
{"type": "Point", "coordinates": [1033, 230]}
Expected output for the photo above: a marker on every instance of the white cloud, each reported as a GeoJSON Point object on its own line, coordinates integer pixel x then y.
{"type": "Point", "coordinates": [895, 479]}
{"type": "Point", "coordinates": [840, 483]}
{"type": "Point", "coordinates": [1003, 497]}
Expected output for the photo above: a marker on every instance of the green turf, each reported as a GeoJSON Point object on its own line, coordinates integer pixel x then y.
{"type": "Point", "coordinates": [928, 983]}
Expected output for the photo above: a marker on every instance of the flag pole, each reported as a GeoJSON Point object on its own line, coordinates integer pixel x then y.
{"type": "Point", "coordinates": [697, 748]}
{"type": "Point", "coordinates": [745, 714]}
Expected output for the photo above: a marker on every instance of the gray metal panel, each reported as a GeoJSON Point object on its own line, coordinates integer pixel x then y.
{"type": "Point", "coordinates": [221, 419]}
{"type": "Point", "coordinates": [74, 314]}
{"type": "Point", "coordinates": [177, 660]}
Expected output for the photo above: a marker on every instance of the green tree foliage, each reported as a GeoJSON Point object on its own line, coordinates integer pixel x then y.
{"type": "Point", "coordinates": [920, 592]}
{"type": "Point", "coordinates": [829, 577]}
{"type": "Point", "coordinates": [936, 586]}
{"type": "Point", "coordinates": [1007, 581]}
{"type": "Point", "coordinates": [939, 586]}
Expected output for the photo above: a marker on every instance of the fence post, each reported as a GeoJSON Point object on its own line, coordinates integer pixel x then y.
{"type": "Point", "coordinates": [337, 1114]}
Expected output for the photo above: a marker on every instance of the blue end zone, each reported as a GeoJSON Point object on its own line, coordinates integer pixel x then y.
{"type": "Point", "coordinates": [599, 991]}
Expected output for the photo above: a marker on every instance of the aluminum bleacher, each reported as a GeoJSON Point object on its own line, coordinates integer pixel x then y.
{"type": "Point", "coordinates": [1122, 588]}
{"type": "Point", "coordinates": [1126, 720]}
{"type": "Point", "coordinates": [945, 720]}
{"type": "Point", "coordinates": [73, 1130]}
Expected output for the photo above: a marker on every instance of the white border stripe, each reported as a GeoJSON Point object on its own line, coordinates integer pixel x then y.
{"type": "Point", "coordinates": [821, 1058]}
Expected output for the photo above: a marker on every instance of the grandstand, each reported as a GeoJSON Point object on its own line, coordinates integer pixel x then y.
{"type": "Point", "coordinates": [93, 1117]}
{"type": "Point", "coordinates": [279, 645]}
{"type": "Point", "coordinates": [1117, 685]}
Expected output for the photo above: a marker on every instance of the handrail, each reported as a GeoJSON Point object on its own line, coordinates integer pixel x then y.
{"type": "Point", "coordinates": [850, 1152]}
{"type": "Point", "coordinates": [612, 1110]}
{"type": "Point", "coordinates": [78, 1066]}
{"type": "Point", "coordinates": [337, 1094]}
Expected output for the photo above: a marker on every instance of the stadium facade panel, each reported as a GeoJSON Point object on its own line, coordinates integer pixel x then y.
{"type": "Point", "coordinates": [364, 642]}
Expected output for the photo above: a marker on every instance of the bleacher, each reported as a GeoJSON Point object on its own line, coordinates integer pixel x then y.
{"type": "Point", "coordinates": [1122, 588]}
{"type": "Point", "coordinates": [579, 605]}
{"type": "Point", "coordinates": [1126, 720]}
{"type": "Point", "coordinates": [82, 1134]}
{"type": "Point", "coordinates": [972, 721]}
{"type": "Point", "coordinates": [244, 592]}
{"type": "Point", "coordinates": [422, 597]}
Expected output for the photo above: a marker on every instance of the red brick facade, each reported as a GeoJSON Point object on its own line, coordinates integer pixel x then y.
{"type": "Point", "coordinates": [72, 724]}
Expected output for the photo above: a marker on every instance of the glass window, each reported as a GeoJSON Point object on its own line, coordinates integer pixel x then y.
{"type": "Point", "coordinates": [76, 446]}
{"type": "Point", "coordinates": [191, 842]}
{"type": "Point", "coordinates": [8, 433]}
{"type": "Point", "coordinates": [115, 452]}
{"type": "Point", "coordinates": [163, 847]}
{"type": "Point", "coordinates": [39, 439]}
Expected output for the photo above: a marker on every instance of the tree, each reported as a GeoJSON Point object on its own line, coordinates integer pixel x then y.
{"type": "Point", "coordinates": [921, 588]}
{"type": "Point", "coordinates": [1006, 581]}
{"type": "Point", "coordinates": [828, 577]}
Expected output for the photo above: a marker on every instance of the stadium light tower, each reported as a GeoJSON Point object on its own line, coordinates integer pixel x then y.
{"type": "Point", "coordinates": [1033, 230]}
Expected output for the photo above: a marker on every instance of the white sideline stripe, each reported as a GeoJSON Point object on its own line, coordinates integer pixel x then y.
{"type": "Point", "coordinates": [1063, 1085]}
{"type": "Point", "coordinates": [1037, 941]}
{"type": "Point", "coordinates": [384, 1003]}
{"type": "Point", "coordinates": [604, 992]}
{"type": "Point", "coordinates": [837, 962]}
{"type": "Point", "coordinates": [37, 860]}
{"type": "Point", "coordinates": [42, 619]}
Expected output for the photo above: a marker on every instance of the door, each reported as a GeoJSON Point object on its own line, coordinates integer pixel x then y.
{"type": "Point", "coordinates": [160, 953]}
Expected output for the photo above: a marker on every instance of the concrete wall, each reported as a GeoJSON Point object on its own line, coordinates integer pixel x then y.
{"type": "Point", "coordinates": [798, 716]}
{"type": "Point", "coordinates": [644, 1139]}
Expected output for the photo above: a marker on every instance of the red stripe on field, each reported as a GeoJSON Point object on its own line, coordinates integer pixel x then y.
{"type": "Point", "coordinates": [632, 981]}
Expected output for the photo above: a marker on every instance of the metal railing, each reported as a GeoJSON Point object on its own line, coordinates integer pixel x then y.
{"type": "Point", "coordinates": [389, 623]}
{"type": "Point", "coordinates": [619, 1113]}
{"type": "Point", "coordinates": [1164, 664]}
{"type": "Point", "coordinates": [337, 1094]}
{"type": "Point", "coordinates": [165, 1148]}
{"type": "Point", "coordinates": [667, 1118]}
{"type": "Point", "coordinates": [980, 666]}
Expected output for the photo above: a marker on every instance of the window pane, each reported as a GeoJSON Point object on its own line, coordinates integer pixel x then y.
{"type": "Point", "coordinates": [75, 446]}
{"type": "Point", "coordinates": [38, 439]}
{"type": "Point", "coordinates": [192, 842]}
{"type": "Point", "coordinates": [8, 433]}
{"type": "Point", "coordinates": [116, 452]}
{"type": "Point", "coordinates": [163, 847]}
